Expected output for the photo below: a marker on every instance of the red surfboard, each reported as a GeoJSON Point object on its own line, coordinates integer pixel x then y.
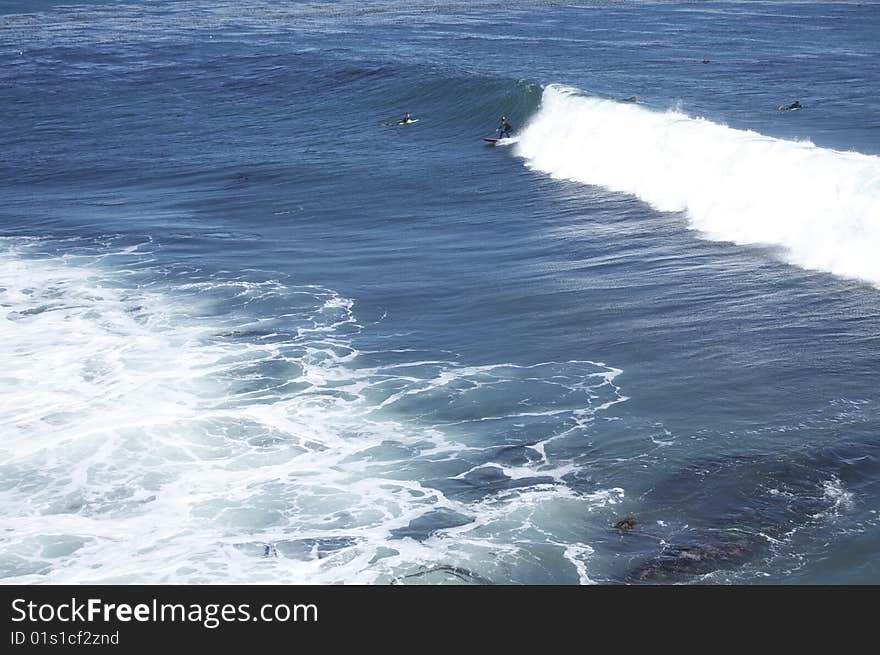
{"type": "Point", "coordinates": [491, 139]}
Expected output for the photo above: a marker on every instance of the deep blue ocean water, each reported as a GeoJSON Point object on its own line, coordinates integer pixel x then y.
{"type": "Point", "coordinates": [250, 333]}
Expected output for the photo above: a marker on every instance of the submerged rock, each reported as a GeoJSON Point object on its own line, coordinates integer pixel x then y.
{"type": "Point", "coordinates": [426, 525]}
{"type": "Point", "coordinates": [444, 573]}
{"type": "Point", "coordinates": [731, 509]}
{"type": "Point", "coordinates": [697, 558]}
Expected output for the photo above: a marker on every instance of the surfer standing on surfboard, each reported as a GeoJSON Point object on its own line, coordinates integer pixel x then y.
{"type": "Point", "coordinates": [505, 128]}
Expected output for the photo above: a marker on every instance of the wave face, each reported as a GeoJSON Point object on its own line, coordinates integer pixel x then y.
{"type": "Point", "coordinates": [821, 206]}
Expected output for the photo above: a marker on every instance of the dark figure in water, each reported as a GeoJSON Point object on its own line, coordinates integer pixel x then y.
{"type": "Point", "coordinates": [626, 524]}
{"type": "Point", "coordinates": [631, 99]}
{"type": "Point", "coordinates": [795, 105]}
{"type": "Point", "coordinates": [505, 128]}
{"type": "Point", "coordinates": [406, 119]}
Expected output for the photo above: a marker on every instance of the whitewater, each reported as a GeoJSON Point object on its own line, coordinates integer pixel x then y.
{"type": "Point", "coordinates": [819, 207]}
{"type": "Point", "coordinates": [161, 427]}
{"type": "Point", "coordinates": [251, 334]}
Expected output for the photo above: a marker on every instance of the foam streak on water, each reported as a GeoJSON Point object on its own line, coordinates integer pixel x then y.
{"type": "Point", "coordinates": [163, 425]}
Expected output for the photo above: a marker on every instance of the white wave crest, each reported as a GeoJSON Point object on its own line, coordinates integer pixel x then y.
{"type": "Point", "coordinates": [821, 206]}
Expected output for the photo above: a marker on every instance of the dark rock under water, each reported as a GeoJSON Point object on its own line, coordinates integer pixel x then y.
{"type": "Point", "coordinates": [427, 524]}
{"type": "Point", "coordinates": [735, 508]}
{"type": "Point", "coordinates": [444, 573]}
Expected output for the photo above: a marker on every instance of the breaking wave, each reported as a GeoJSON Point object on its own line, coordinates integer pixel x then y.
{"type": "Point", "coordinates": [821, 206]}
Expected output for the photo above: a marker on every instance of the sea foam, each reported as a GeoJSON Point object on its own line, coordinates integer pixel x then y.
{"type": "Point", "coordinates": [821, 206]}
{"type": "Point", "coordinates": [161, 424]}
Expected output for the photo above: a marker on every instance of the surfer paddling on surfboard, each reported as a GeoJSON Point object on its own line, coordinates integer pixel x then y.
{"type": "Point", "coordinates": [406, 120]}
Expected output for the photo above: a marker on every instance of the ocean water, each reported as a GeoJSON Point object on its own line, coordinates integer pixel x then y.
{"type": "Point", "coordinates": [249, 333]}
